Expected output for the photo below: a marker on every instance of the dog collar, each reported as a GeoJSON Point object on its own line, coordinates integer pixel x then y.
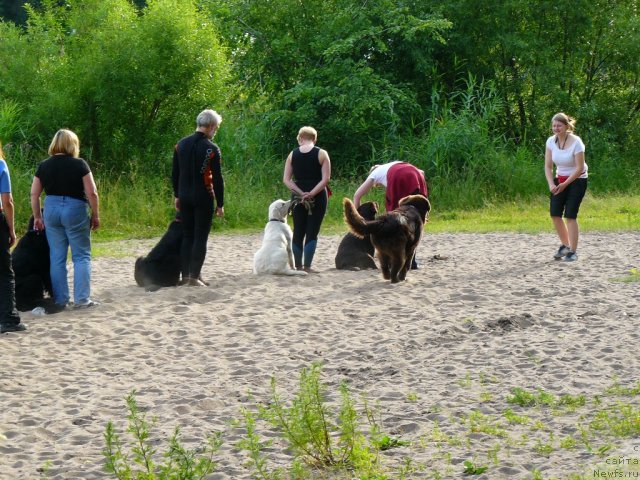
{"type": "Point", "coordinates": [276, 220]}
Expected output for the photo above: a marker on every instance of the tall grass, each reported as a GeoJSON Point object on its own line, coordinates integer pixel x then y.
{"type": "Point", "coordinates": [477, 180]}
{"type": "Point", "coordinates": [131, 205]}
{"type": "Point", "coordinates": [468, 163]}
{"type": "Point", "coordinates": [141, 206]}
{"type": "Point", "coordinates": [10, 127]}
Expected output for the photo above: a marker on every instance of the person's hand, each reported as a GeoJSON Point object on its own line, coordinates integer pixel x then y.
{"type": "Point", "coordinates": [12, 237]}
{"type": "Point", "coordinates": [559, 188]}
{"type": "Point", "coordinates": [220, 212]}
{"type": "Point", "coordinates": [38, 224]}
{"type": "Point", "coordinates": [95, 222]}
{"type": "Point", "coordinates": [306, 195]}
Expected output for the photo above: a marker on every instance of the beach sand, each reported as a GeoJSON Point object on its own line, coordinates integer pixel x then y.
{"type": "Point", "coordinates": [438, 355]}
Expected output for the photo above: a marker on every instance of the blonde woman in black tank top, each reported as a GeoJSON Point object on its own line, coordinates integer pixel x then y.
{"type": "Point", "coordinates": [307, 172]}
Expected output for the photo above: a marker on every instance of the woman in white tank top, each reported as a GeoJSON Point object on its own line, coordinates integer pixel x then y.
{"type": "Point", "coordinates": [565, 150]}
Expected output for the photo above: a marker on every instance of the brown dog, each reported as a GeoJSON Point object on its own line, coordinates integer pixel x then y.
{"type": "Point", "coordinates": [356, 253]}
{"type": "Point", "coordinates": [395, 235]}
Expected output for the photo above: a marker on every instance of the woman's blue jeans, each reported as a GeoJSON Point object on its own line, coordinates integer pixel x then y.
{"type": "Point", "coordinates": [67, 224]}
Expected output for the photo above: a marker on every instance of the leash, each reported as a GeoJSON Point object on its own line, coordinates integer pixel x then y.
{"type": "Point", "coordinates": [308, 203]}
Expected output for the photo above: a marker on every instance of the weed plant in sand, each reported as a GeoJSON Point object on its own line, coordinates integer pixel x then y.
{"type": "Point", "coordinates": [471, 468]}
{"type": "Point", "coordinates": [412, 397]}
{"type": "Point", "coordinates": [514, 418]}
{"type": "Point", "coordinates": [138, 459]}
{"type": "Point", "coordinates": [634, 276]}
{"type": "Point", "coordinates": [536, 421]}
{"type": "Point", "coordinates": [254, 447]}
{"type": "Point", "coordinates": [618, 390]}
{"type": "Point", "coordinates": [333, 438]}
{"type": "Point", "coordinates": [527, 399]}
{"type": "Point", "coordinates": [320, 436]}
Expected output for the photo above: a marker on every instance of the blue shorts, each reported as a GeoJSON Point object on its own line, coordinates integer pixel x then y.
{"type": "Point", "coordinates": [569, 200]}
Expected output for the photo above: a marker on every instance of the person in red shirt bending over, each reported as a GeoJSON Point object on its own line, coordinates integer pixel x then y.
{"type": "Point", "coordinates": [399, 180]}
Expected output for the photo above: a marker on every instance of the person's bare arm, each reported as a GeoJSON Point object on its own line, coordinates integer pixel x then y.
{"type": "Point", "coordinates": [325, 162]}
{"type": "Point", "coordinates": [7, 208]}
{"type": "Point", "coordinates": [36, 209]}
{"type": "Point", "coordinates": [287, 178]}
{"type": "Point", "coordinates": [548, 170]}
{"type": "Point", "coordinates": [91, 191]}
{"type": "Point", "coordinates": [362, 191]}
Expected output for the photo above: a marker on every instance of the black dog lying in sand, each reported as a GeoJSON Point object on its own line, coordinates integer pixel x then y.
{"type": "Point", "coordinates": [355, 253]}
{"type": "Point", "coordinates": [395, 235]}
{"type": "Point", "coordinates": [30, 262]}
{"type": "Point", "coordinates": [161, 267]}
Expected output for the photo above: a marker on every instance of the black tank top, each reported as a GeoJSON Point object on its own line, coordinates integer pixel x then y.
{"type": "Point", "coordinates": [307, 171]}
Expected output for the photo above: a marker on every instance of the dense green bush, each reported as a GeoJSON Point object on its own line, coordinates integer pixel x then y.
{"type": "Point", "coordinates": [129, 82]}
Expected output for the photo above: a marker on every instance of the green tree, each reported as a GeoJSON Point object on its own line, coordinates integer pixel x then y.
{"type": "Point", "coordinates": [14, 10]}
{"type": "Point", "coordinates": [129, 81]}
{"type": "Point", "coordinates": [546, 57]}
{"type": "Point", "coordinates": [340, 65]}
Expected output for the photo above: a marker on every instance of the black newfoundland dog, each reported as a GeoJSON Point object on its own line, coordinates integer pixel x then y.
{"type": "Point", "coordinates": [356, 253]}
{"type": "Point", "coordinates": [30, 262]}
{"type": "Point", "coordinates": [161, 267]}
{"type": "Point", "coordinates": [395, 235]}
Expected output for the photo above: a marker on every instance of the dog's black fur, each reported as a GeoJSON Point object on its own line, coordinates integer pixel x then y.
{"type": "Point", "coordinates": [161, 267]}
{"type": "Point", "coordinates": [355, 253]}
{"type": "Point", "coordinates": [395, 235]}
{"type": "Point", "coordinates": [30, 262]}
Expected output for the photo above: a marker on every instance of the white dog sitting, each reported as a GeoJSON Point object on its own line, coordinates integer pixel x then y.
{"type": "Point", "coordinates": [276, 255]}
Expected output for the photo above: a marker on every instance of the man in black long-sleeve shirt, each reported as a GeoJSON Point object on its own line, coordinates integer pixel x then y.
{"type": "Point", "coordinates": [197, 179]}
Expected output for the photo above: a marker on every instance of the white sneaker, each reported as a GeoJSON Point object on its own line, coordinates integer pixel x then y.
{"type": "Point", "coordinates": [562, 251]}
{"type": "Point", "coordinates": [87, 304]}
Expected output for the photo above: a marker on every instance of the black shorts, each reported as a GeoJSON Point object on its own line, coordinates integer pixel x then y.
{"type": "Point", "coordinates": [569, 200]}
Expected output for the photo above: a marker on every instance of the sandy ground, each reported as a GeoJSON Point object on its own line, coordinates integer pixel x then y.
{"type": "Point", "coordinates": [439, 354]}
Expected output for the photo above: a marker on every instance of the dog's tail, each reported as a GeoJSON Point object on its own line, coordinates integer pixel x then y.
{"type": "Point", "coordinates": [358, 225]}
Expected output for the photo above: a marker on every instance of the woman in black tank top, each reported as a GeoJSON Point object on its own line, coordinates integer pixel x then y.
{"type": "Point", "coordinates": [306, 173]}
